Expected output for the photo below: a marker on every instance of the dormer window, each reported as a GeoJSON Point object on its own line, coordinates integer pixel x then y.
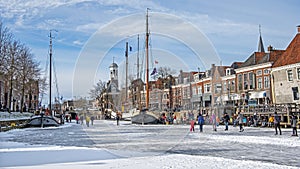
{"type": "Point", "coordinates": [228, 71]}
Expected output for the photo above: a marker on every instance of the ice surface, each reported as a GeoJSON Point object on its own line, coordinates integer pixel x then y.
{"type": "Point", "coordinates": [106, 145]}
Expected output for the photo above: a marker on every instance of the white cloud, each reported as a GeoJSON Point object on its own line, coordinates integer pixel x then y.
{"type": "Point", "coordinates": [89, 27]}
{"type": "Point", "coordinates": [78, 42]}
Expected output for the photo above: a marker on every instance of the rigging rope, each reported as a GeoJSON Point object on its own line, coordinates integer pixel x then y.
{"type": "Point", "coordinates": [55, 80]}
{"type": "Point", "coordinates": [44, 80]}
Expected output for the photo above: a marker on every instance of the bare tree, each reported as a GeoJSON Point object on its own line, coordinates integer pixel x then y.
{"type": "Point", "coordinates": [13, 52]}
{"type": "Point", "coordinates": [97, 89]}
{"type": "Point", "coordinates": [28, 72]}
{"type": "Point", "coordinates": [17, 68]}
{"type": "Point", "coordinates": [164, 72]}
{"type": "Point", "coordinates": [5, 39]}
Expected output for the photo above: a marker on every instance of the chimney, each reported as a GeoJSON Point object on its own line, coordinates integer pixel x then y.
{"type": "Point", "coordinates": [270, 48]}
{"type": "Point", "coordinates": [298, 28]}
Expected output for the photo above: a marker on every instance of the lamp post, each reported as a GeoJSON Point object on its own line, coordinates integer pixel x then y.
{"type": "Point", "coordinates": [200, 93]}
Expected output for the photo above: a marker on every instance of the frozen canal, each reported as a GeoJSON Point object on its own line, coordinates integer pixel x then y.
{"type": "Point", "coordinates": [127, 141]}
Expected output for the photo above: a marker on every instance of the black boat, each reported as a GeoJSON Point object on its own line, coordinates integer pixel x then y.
{"type": "Point", "coordinates": [43, 121]}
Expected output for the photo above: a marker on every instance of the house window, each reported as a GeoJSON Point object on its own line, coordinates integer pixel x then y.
{"type": "Point", "coordinates": [259, 72]}
{"type": "Point", "coordinates": [251, 80]}
{"type": "Point", "coordinates": [228, 71]}
{"type": "Point", "coordinates": [266, 71]}
{"type": "Point", "coordinates": [194, 91]}
{"type": "Point", "coordinates": [232, 87]}
{"type": "Point", "coordinates": [207, 88]}
{"type": "Point", "coordinates": [200, 90]}
{"type": "Point", "coordinates": [245, 81]}
{"type": "Point", "coordinates": [259, 83]}
{"type": "Point", "coordinates": [266, 82]}
{"type": "Point", "coordinates": [218, 88]}
{"type": "Point", "coordinates": [240, 82]}
{"type": "Point", "coordinates": [295, 93]}
{"type": "Point", "coordinates": [298, 73]}
{"type": "Point", "coordinates": [290, 75]}
{"type": "Point", "coordinates": [225, 86]}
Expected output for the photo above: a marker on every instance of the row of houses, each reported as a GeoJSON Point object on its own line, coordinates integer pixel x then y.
{"type": "Point", "coordinates": [264, 79]}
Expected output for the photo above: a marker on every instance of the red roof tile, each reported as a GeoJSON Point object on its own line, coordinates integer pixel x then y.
{"type": "Point", "coordinates": [291, 55]}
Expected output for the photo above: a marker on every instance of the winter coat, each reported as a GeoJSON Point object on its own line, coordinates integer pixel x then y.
{"type": "Point", "coordinates": [226, 118]}
{"type": "Point", "coordinates": [240, 118]}
{"type": "Point", "coordinates": [87, 119]}
{"type": "Point", "coordinates": [200, 120]}
{"type": "Point", "coordinates": [213, 119]}
{"type": "Point", "coordinates": [294, 121]}
{"type": "Point", "coordinates": [276, 119]}
{"type": "Point", "coordinates": [192, 123]}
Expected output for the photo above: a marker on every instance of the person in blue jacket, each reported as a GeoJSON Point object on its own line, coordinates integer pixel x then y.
{"type": "Point", "coordinates": [226, 119]}
{"type": "Point", "coordinates": [200, 122]}
{"type": "Point", "coordinates": [277, 123]}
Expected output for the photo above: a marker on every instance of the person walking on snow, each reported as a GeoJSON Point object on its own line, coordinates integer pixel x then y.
{"type": "Point", "coordinates": [294, 122]}
{"type": "Point", "coordinates": [192, 128]}
{"type": "Point", "coordinates": [200, 122]}
{"type": "Point", "coordinates": [226, 120]}
{"type": "Point", "coordinates": [213, 120]}
{"type": "Point", "coordinates": [87, 120]}
{"type": "Point", "coordinates": [240, 120]}
{"type": "Point", "coordinates": [92, 120]}
{"type": "Point", "coordinates": [277, 123]}
{"type": "Point", "coordinates": [81, 119]}
{"type": "Point", "coordinates": [77, 119]}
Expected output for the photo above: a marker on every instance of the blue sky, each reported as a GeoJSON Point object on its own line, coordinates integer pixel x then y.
{"type": "Point", "coordinates": [100, 29]}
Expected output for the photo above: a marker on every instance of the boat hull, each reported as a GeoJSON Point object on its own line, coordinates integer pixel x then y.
{"type": "Point", "coordinates": [145, 117]}
{"type": "Point", "coordinates": [45, 121]}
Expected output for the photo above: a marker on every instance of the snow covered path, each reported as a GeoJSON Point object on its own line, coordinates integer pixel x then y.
{"type": "Point", "coordinates": [106, 145]}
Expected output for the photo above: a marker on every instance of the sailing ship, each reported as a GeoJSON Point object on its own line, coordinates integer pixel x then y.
{"type": "Point", "coordinates": [45, 119]}
{"type": "Point", "coordinates": [144, 116]}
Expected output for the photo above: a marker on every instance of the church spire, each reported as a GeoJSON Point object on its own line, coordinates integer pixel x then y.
{"type": "Point", "coordinates": [260, 43]}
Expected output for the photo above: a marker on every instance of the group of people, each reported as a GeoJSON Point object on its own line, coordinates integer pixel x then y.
{"type": "Point", "coordinates": [240, 121]}
{"type": "Point", "coordinates": [88, 120]}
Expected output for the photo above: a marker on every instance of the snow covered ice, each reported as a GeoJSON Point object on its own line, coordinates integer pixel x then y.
{"type": "Point", "coordinates": [106, 145]}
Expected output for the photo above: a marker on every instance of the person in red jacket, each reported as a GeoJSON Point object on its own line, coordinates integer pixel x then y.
{"type": "Point", "coordinates": [192, 125]}
{"type": "Point", "coordinates": [77, 119]}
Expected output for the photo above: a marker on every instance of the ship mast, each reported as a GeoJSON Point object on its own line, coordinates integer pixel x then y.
{"type": "Point", "coordinates": [50, 73]}
{"type": "Point", "coordinates": [147, 62]}
{"type": "Point", "coordinates": [137, 57]}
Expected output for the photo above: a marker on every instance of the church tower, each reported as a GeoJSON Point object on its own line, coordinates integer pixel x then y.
{"type": "Point", "coordinates": [260, 42]}
{"type": "Point", "coordinates": [113, 68]}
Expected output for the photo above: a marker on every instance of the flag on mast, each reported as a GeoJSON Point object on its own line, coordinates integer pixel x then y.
{"type": "Point", "coordinates": [153, 72]}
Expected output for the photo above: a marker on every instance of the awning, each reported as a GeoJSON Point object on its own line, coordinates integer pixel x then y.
{"type": "Point", "coordinates": [225, 98]}
{"type": "Point", "coordinates": [235, 97]}
{"type": "Point", "coordinates": [256, 95]}
{"type": "Point", "coordinates": [206, 97]}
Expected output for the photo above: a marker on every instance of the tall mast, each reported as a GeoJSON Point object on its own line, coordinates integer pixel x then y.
{"type": "Point", "coordinates": [137, 58]}
{"type": "Point", "coordinates": [126, 78]}
{"type": "Point", "coordinates": [50, 73]}
{"type": "Point", "coordinates": [147, 62]}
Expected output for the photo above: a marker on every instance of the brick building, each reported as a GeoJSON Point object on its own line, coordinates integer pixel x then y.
{"type": "Point", "coordinates": [286, 74]}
